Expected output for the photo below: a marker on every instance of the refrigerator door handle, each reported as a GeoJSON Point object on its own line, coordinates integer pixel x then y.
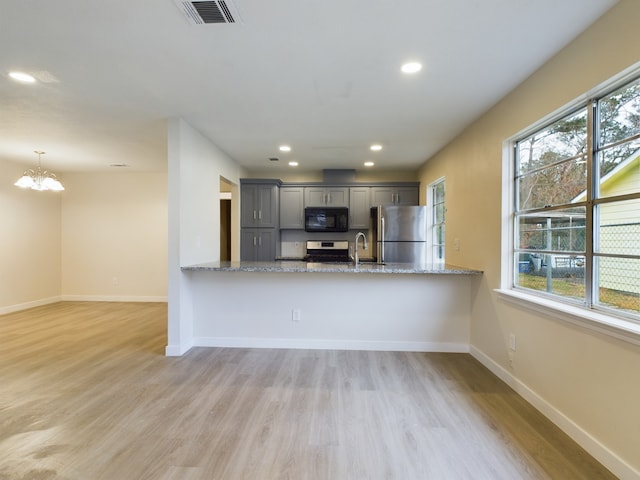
{"type": "Point", "coordinates": [382, 238]}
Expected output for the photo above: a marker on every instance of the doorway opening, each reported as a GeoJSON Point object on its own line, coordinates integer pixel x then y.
{"type": "Point", "coordinates": [225, 219]}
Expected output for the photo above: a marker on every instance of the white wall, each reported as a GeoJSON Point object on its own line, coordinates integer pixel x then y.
{"type": "Point", "coordinates": [195, 166]}
{"type": "Point", "coordinates": [114, 236]}
{"type": "Point", "coordinates": [30, 236]}
{"type": "Point", "coordinates": [397, 312]}
{"type": "Point", "coordinates": [585, 381]}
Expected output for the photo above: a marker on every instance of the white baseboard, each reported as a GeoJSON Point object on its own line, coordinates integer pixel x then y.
{"type": "Point", "coordinates": [112, 298]}
{"type": "Point", "coordinates": [175, 350]}
{"type": "Point", "coordinates": [595, 448]}
{"type": "Point", "coordinates": [24, 306]}
{"type": "Point", "coordinates": [315, 344]}
{"type": "Point", "coordinates": [77, 298]}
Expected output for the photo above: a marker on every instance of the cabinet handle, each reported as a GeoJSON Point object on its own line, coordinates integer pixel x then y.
{"type": "Point", "coordinates": [254, 214]}
{"type": "Point", "coordinates": [254, 240]}
{"type": "Point", "coordinates": [397, 198]}
{"type": "Point", "coordinates": [328, 199]}
{"type": "Point", "coordinates": [259, 214]}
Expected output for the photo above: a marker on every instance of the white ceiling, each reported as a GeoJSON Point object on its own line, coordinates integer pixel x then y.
{"type": "Point", "coordinates": [323, 77]}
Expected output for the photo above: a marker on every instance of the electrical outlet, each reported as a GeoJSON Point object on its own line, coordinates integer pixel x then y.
{"type": "Point", "coordinates": [296, 315]}
{"type": "Point", "coordinates": [512, 342]}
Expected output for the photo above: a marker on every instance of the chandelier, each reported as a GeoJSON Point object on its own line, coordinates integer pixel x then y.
{"type": "Point", "coordinates": [39, 179]}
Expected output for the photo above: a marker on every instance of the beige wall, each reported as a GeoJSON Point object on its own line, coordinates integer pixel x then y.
{"type": "Point", "coordinates": [103, 238]}
{"type": "Point", "coordinates": [29, 243]}
{"type": "Point", "coordinates": [587, 381]}
{"type": "Point", "coordinates": [114, 236]}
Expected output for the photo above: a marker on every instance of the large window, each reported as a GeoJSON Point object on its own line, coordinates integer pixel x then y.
{"type": "Point", "coordinates": [577, 205]}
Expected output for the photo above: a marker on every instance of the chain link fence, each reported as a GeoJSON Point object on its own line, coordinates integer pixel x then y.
{"type": "Point", "coordinates": [619, 274]}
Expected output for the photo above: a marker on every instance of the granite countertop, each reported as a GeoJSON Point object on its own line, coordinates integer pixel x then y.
{"type": "Point", "coordinates": [305, 267]}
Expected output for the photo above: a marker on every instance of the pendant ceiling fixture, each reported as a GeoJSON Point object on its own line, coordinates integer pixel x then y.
{"type": "Point", "coordinates": [39, 179]}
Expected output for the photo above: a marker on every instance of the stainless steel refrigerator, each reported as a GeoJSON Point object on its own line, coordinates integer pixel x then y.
{"type": "Point", "coordinates": [400, 234]}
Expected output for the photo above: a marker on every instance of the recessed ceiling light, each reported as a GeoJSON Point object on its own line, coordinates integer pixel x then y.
{"type": "Point", "coordinates": [293, 164]}
{"type": "Point", "coordinates": [376, 147]}
{"type": "Point", "coordinates": [369, 164]}
{"type": "Point", "coordinates": [285, 148]}
{"type": "Point", "coordinates": [411, 67]}
{"type": "Point", "coordinates": [22, 77]}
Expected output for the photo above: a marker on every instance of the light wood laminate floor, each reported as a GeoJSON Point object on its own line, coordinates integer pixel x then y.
{"type": "Point", "coordinates": [86, 393]}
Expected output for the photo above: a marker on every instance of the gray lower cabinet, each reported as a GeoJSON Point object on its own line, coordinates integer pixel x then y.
{"type": "Point", "coordinates": [359, 207]}
{"type": "Point", "coordinates": [258, 244]}
{"type": "Point", "coordinates": [395, 195]}
{"type": "Point", "coordinates": [291, 207]}
{"type": "Point", "coordinates": [326, 196]}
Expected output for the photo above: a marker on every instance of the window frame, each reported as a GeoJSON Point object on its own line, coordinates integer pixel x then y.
{"type": "Point", "coordinates": [606, 320]}
{"type": "Point", "coordinates": [431, 222]}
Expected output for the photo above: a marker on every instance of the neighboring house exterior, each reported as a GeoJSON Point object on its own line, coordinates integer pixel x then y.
{"type": "Point", "coordinates": [620, 226]}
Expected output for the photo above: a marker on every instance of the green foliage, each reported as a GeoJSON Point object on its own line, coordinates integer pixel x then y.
{"type": "Point", "coordinates": [552, 162]}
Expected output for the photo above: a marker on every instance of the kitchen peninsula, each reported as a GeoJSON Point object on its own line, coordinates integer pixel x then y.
{"type": "Point", "coordinates": [289, 304]}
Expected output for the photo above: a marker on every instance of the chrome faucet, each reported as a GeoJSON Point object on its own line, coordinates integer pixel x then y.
{"type": "Point", "coordinates": [356, 258]}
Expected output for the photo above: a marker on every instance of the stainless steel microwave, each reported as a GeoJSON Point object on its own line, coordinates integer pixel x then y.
{"type": "Point", "coordinates": [326, 219]}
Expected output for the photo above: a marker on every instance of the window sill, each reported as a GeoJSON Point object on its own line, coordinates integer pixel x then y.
{"type": "Point", "coordinates": [614, 327]}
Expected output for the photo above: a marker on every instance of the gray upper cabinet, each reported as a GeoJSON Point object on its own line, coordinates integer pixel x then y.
{"type": "Point", "coordinates": [395, 195]}
{"type": "Point", "coordinates": [291, 207]}
{"type": "Point", "coordinates": [359, 207]}
{"type": "Point", "coordinates": [326, 196]}
{"type": "Point", "coordinates": [259, 205]}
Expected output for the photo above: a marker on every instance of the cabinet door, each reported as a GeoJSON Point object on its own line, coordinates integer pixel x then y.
{"type": "Point", "coordinates": [266, 245]}
{"type": "Point", "coordinates": [395, 195]}
{"type": "Point", "coordinates": [382, 195]}
{"type": "Point", "coordinates": [337, 196]}
{"type": "Point", "coordinates": [359, 207]}
{"type": "Point", "coordinates": [258, 244]}
{"type": "Point", "coordinates": [249, 205]}
{"type": "Point", "coordinates": [267, 206]}
{"type": "Point", "coordinates": [326, 196]}
{"type": "Point", "coordinates": [259, 205]}
{"type": "Point", "coordinates": [248, 244]}
{"type": "Point", "coordinates": [314, 197]}
{"type": "Point", "coordinates": [292, 207]}
{"type": "Point", "coordinates": [407, 196]}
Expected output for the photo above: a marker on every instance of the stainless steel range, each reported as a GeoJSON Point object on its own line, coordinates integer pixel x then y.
{"type": "Point", "coordinates": [327, 251]}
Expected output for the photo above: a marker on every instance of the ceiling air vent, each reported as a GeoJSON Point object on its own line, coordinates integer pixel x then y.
{"type": "Point", "coordinates": [200, 12]}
